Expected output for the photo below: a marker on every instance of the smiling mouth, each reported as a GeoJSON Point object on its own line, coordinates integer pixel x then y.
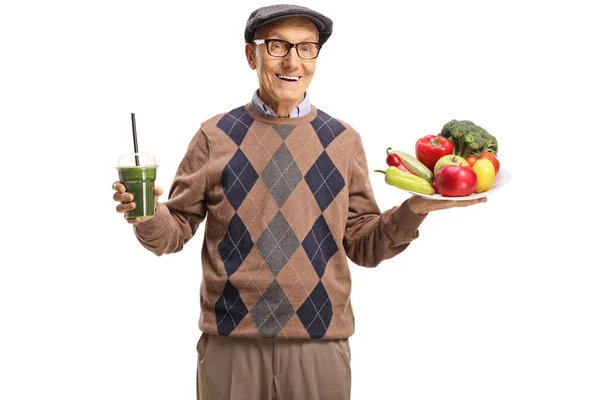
{"type": "Point", "coordinates": [288, 78]}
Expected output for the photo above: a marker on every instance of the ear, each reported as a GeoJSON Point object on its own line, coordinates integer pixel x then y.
{"type": "Point", "coordinates": [251, 55]}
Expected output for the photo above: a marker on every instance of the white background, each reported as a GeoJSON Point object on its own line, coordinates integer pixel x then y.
{"type": "Point", "coordinates": [496, 301]}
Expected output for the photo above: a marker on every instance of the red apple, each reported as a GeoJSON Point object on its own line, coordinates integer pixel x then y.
{"type": "Point", "coordinates": [455, 181]}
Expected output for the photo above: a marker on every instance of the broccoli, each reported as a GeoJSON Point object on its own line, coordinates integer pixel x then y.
{"type": "Point", "coordinates": [469, 138]}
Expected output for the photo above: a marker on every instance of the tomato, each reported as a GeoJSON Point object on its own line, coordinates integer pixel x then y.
{"type": "Point", "coordinates": [471, 160]}
{"type": "Point", "coordinates": [492, 157]}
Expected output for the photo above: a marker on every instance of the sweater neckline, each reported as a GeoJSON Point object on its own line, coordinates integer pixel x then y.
{"type": "Point", "coordinates": [280, 121]}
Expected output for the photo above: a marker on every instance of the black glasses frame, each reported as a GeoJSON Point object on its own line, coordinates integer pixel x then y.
{"type": "Point", "coordinates": [290, 46]}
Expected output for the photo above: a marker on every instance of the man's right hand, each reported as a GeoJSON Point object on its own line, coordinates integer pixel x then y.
{"type": "Point", "coordinates": [126, 201]}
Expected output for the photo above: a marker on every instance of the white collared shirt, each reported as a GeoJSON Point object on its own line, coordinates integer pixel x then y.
{"type": "Point", "coordinates": [301, 110]}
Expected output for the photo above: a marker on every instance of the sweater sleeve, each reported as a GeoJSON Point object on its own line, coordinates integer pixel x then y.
{"type": "Point", "coordinates": [371, 236]}
{"type": "Point", "coordinates": [177, 220]}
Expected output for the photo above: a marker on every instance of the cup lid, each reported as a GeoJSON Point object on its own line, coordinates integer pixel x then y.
{"type": "Point", "coordinates": [136, 159]}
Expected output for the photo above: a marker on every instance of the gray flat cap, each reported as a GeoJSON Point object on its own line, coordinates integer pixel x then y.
{"type": "Point", "coordinates": [265, 15]}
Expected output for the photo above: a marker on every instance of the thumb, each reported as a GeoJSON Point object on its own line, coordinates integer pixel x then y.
{"type": "Point", "coordinates": [157, 193]}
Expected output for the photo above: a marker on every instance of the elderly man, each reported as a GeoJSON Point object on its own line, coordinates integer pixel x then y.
{"type": "Point", "coordinates": [285, 190]}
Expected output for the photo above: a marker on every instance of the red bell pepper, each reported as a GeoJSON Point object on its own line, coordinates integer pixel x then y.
{"type": "Point", "coordinates": [429, 149]}
{"type": "Point", "coordinates": [394, 160]}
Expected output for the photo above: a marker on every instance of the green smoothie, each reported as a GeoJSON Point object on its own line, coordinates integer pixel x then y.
{"type": "Point", "coordinates": [139, 181]}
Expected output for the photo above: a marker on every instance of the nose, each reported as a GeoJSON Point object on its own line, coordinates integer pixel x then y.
{"type": "Point", "coordinates": [292, 59]}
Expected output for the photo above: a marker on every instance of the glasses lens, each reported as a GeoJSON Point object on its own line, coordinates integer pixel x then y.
{"type": "Point", "coordinates": [278, 48]}
{"type": "Point", "coordinates": [308, 50]}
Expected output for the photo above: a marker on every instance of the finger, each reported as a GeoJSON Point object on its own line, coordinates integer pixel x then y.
{"type": "Point", "coordinates": [123, 197]}
{"type": "Point", "coordinates": [157, 192]}
{"type": "Point", "coordinates": [133, 221]}
{"type": "Point", "coordinates": [467, 203]}
{"type": "Point", "coordinates": [472, 202]}
{"type": "Point", "coordinates": [447, 204]}
{"type": "Point", "coordinates": [119, 187]}
{"type": "Point", "coordinates": [125, 207]}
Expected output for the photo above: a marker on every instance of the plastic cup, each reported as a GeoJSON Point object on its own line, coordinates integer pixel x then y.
{"type": "Point", "coordinates": [138, 178]}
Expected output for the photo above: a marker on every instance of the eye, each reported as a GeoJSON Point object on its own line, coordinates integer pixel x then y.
{"type": "Point", "coordinates": [277, 45]}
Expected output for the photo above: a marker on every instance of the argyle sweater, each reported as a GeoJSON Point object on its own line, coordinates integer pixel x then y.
{"type": "Point", "coordinates": [286, 201]}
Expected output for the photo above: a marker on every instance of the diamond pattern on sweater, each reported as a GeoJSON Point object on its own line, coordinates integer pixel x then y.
{"type": "Point", "coordinates": [284, 130]}
{"type": "Point", "coordinates": [316, 312]}
{"type": "Point", "coordinates": [253, 278]}
{"type": "Point", "coordinates": [319, 245]}
{"type": "Point", "coordinates": [235, 246]}
{"type": "Point", "coordinates": [300, 210]}
{"type": "Point", "coordinates": [229, 310]}
{"type": "Point", "coordinates": [238, 178]}
{"type": "Point", "coordinates": [298, 278]}
{"type": "Point", "coordinates": [272, 311]}
{"type": "Point", "coordinates": [327, 128]}
{"type": "Point", "coordinates": [281, 175]}
{"type": "Point", "coordinates": [235, 124]}
{"type": "Point", "coordinates": [280, 182]}
{"type": "Point", "coordinates": [258, 212]}
{"type": "Point", "coordinates": [277, 243]}
{"type": "Point", "coordinates": [324, 180]}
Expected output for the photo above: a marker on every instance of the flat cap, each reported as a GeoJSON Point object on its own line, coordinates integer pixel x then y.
{"type": "Point", "coordinates": [265, 15]}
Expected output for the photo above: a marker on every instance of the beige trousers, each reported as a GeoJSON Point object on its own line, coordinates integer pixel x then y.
{"type": "Point", "coordinates": [272, 369]}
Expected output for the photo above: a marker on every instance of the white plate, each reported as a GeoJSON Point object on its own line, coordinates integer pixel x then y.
{"type": "Point", "coordinates": [501, 180]}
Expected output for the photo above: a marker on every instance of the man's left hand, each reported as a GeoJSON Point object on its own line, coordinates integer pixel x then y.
{"type": "Point", "coordinates": [421, 205]}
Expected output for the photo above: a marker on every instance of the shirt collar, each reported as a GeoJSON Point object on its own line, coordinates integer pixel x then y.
{"type": "Point", "coordinates": [300, 111]}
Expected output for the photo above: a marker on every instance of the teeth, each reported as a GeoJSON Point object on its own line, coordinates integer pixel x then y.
{"type": "Point", "coordinates": [294, 78]}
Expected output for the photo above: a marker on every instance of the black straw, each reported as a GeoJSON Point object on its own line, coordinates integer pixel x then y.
{"type": "Point", "coordinates": [135, 145]}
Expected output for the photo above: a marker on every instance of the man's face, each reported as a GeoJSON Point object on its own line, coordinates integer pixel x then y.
{"type": "Point", "coordinates": [271, 71]}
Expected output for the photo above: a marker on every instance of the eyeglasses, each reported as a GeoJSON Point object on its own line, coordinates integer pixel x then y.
{"type": "Point", "coordinates": [281, 48]}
